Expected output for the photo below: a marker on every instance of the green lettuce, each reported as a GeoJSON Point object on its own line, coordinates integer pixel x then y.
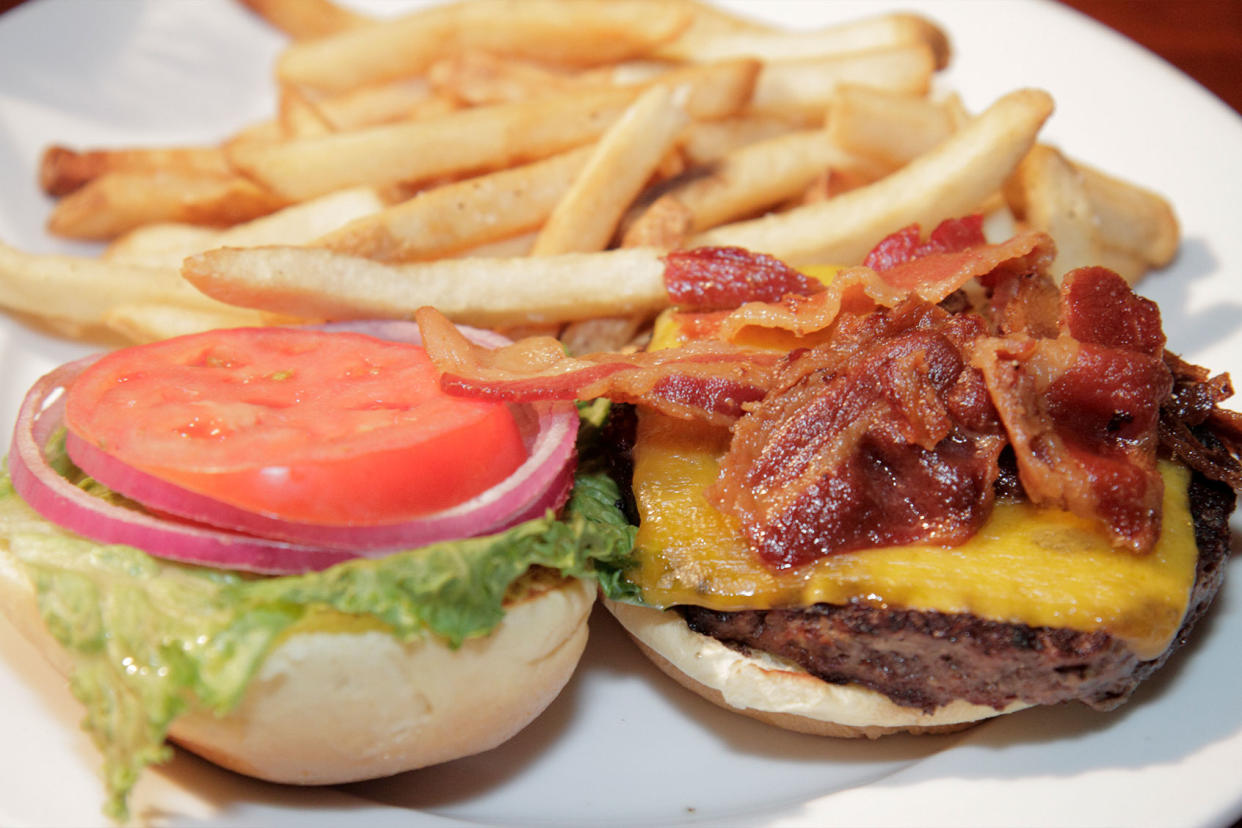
{"type": "Point", "coordinates": [151, 639]}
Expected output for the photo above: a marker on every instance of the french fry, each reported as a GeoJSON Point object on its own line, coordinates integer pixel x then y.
{"type": "Point", "coordinates": [586, 218]}
{"type": "Point", "coordinates": [705, 141]}
{"type": "Point", "coordinates": [151, 322]}
{"type": "Point", "coordinates": [298, 116]}
{"type": "Point", "coordinates": [1130, 218]}
{"type": "Point", "coordinates": [804, 88]}
{"type": "Point", "coordinates": [482, 78]}
{"type": "Point", "coordinates": [558, 31]}
{"type": "Point", "coordinates": [473, 140]}
{"type": "Point", "coordinates": [892, 128]}
{"type": "Point", "coordinates": [704, 43]}
{"type": "Point", "coordinates": [601, 334]}
{"type": "Point", "coordinates": [664, 224]}
{"type": "Point", "coordinates": [313, 283]}
{"type": "Point", "coordinates": [1049, 194]}
{"type": "Point", "coordinates": [519, 245]}
{"type": "Point", "coordinates": [163, 244]}
{"type": "Point", "coordinates": [63, 170]}
{"type": "Point", "coordinates": [383, 103]}
{"type": "Point", "coordinates": [469, 140]}
{"type": "Point", "coordinates": [760, 175]}
{"type": "Point", "coordinates": [306, 19]}
{"type": "Point", "coordinates": [166, 245]}
{"type": "Point", "coordinates": [81, 290]}
{"type": "Point", "coordinates": [117, 202]}
{"type": "Point", "coordinates": [445, 220]}
{"type": "Point", "coordinates": [951, 180]}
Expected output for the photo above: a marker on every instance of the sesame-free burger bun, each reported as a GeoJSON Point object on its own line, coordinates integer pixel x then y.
{"type": "Point", "coordinates": [330, 707]}
{"type": "Point", "coordinates": [777, 692]}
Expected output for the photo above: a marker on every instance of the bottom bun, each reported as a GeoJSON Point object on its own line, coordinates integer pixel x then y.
{"type": "Point", "coordinates": [779, 693]}
{"type": "Point", "coordinates": [334, 707]}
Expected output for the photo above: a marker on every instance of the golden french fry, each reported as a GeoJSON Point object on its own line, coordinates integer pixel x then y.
{"type": "Point", "coordinates": [383, 103]}
{"type": "Point", "coordinates": [1131, 219]}
{"type": "Point", "coordinates": [468, 140]}
{"type": "Point", "coordinates": [117, 202]}
{"type": "Point", "coordinates": [482, 78]}
{"type": "Point", "coordinates": [1049, 195]}
{"type": "Point", "coordinates": [705, 141]}
{"type": "Point", "coordinates": [519, 245]}
{"type": "Point", "coordinates": [163, 244]}
{"type": "Point", "coordinates": [891, 127]}
{"type": "Point", "coordinates": [702, 43]}
{"type": "Point", "coordinates": [1129, 266]}
{"type": "Point", "coordinates": [602, 334]}
{"type": "Point", "coordinates": [313, 283]}
{"type": "Point", "coordinates": [82, 290]}
{"type": "Point", "coordinates": [760, 175]}
{"type": "Point", "coordinates": [664, 224]}
{"type": "Point", "coordinates": [952, 180]}
{"type": "Point", "coordinates": [63, 170]}
{"type": "Point", "coordinates": [166, 245]}
{"type": "Point", "coordinates": [299, 117]}
{"type": "Point", "coordinates": [305, 19]}
{"type": "Point", "coordinates": [472, 140]}
{"type": "Point", "coordinates": [558, 31]}
{"type": "Point", "coordinates": [586, 218]}
{"type": "Point", "coordinates": [804, 88]}
{"type": "Point", "coordinates": [445, 220]}
{"type": "Point", "coordinates": [151, 322]}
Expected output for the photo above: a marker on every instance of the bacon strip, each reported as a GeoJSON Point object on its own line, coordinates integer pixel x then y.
{"type": "Point", "coordinates": [950, 236]}
{"type": "Point", "coordinates": [1081, 414]}
{"type": "Point", "coordinates": [932, 278]}
{"type": "Point", "coordinates": [706, 380]}
{"type": "Point", "coordinates": [882, 435]}
{"type": "Point", "coordinates": [719, 278]}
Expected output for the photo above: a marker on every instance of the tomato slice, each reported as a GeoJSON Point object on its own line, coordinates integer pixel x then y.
{"type": "Point", "coordinates": [306, 425]}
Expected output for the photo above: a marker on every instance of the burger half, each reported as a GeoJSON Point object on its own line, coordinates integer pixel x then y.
{"type": "Point", "coordinates": [940, 488]}
{"type": "Point", "coordinates": [288, 551]}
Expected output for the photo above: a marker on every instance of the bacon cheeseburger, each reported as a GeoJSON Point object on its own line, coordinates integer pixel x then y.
{"type": "Point", "coordinates": [939, 489]}
{"type": "Point", "coordinates": [287, 550]}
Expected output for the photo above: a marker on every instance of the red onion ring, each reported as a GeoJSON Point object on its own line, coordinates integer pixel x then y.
{"type": "Point", "coordinates": [64, 504]}
{"type": "Point", "coordinates": [262, 543]}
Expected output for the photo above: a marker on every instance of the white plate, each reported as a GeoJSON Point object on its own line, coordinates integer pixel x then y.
{"type": "Point", "coordinates": [622, 745]}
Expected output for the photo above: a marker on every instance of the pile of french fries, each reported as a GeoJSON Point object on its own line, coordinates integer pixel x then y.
{"type": "Point", "coordinates": [523, 165]}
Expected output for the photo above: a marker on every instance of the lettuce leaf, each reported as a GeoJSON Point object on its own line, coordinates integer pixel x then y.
{"type": "Point", "coordinates": [151, 639]}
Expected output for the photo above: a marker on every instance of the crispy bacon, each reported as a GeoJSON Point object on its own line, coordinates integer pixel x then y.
{"type": "Point", "coordinates": [718, 278]}
{"type": "Point", "coordinates": [705, 380]}
{"type": "Point", "coordinates": [889, 426]}
{"type": "Point", "coordinates": [882, 435]}
{"type": "Point", "coordinates": [1194, 429]}
{"type": "Point", "coordinates": [1081, 409]}
{"type": "Point", "coordinates": [950, 236]}
{"type": "Point", "coordinates": [932, 278]}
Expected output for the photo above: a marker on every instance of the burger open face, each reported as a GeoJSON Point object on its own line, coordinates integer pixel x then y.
{"type": "Point", "coordinates": [224, 536]}
{"type": "Point", "coordinates": [940, 488]}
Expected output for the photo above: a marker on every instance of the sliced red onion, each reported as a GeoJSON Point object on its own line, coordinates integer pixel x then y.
{"type": "Point", "coordinates": [64, 504]}
{"type": "Point", "coordinates": [264, 543]}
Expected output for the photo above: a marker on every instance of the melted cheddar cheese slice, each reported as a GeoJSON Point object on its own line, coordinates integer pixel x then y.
{"type": "Point", "coordinates": [1028, 565]}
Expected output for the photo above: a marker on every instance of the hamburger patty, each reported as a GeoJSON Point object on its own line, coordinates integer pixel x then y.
{"type": "Point", "coordinates": [927, 659]}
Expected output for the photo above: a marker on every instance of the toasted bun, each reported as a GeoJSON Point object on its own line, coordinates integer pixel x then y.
{"type": "Point", "coordinates": [777, 692]}
{"type": "Point", "coordinates": [334, 707]}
